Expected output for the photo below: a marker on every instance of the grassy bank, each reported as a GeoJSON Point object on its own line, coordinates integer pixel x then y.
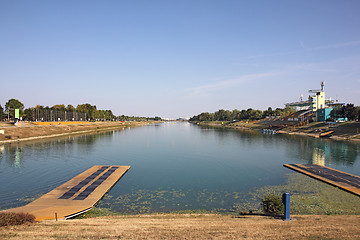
{"type": "Point", "coordinates": [29, 131]}
{"type": "Point", "coordinates": [341, 131]}
{"type": "Point", "coordinates": [189, 226]}
{"type": "Point", "coordinates": [309, 196]}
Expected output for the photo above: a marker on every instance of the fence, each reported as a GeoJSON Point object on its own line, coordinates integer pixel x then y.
{"type": "Point", "coordinates": [44, 115]}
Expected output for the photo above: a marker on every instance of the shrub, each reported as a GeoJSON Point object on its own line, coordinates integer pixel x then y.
{"type": "Point", "coordinates": [11, 218]}
{"type": "Point", "coordinates": [272, 204]}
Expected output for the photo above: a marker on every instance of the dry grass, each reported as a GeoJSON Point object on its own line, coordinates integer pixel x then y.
{"type": "Point", "coordinates": [28, 130]}
{"type": "Point", "coordinates": [10, 218]}
{"type": "Point", "coordinates": [190, 227]}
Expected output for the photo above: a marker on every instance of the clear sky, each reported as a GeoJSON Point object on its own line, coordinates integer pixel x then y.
{"type": "Point", "coordinates": [173, 58]}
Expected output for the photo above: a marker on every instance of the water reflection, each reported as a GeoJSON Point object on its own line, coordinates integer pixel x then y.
{"type": "Point", "coordinates": [303, 149]}
{"type": "Point", "coordinates": [318, 157]}
{"type": "Point", "coordinates": [13, 153]}
{"type": "Point", "coordinates": [323, 151]}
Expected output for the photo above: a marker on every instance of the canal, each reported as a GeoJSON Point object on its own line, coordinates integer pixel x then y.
{"type": "Point", "coordinates": [175, 167]}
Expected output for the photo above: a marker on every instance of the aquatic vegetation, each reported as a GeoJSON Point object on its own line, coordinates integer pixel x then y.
{"type": "Point", "coordinates": [308, 196]}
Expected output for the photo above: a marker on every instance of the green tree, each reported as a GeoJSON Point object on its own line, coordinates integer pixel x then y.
{"type": "Point", "coordinates": [256, 115]}
{"type": "Point", "coordinates": [278, 112]}
{"type": "Point", "coordinates": [235, 115]}
{"type": "Point", "coordinates": [337, 112]}
{"type": "Point", "coordinates": [1, 113]}
{"type": "Point", "coordinates": [205, 117]}
{"type": "Point", "coordinates": [289, 110]}
{"type": "Point", "coordinates": [59, 107]}
{"type": "Point", "coordinates": [70, 108]}
{"type": "Point", "coordinates": [222, 115]}
{"type": "Point", "coordinates": [350, 112]}
{"type": "Point", "coordinates": [13, 104]}
{"type": "Point", "coordinates": [88, 109]}
{"type": "Point", "coordinates": [269, 112]}
{"type": "Point", "coordinates": [28, 114]}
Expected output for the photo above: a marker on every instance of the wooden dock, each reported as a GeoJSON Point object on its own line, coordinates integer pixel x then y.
{"type": "Point", "coordinates": [76, 196]}
{"type": "Point", "coordinates": [337, 178]}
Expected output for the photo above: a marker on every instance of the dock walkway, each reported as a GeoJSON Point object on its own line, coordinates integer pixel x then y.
{"type": "Point", "coordinates": [343, 180]}
{"type": "Point", "coordinates": [76, 196]}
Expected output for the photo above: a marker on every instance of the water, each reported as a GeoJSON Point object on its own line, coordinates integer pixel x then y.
{"type": "Point", "coordinates": [174, 166]}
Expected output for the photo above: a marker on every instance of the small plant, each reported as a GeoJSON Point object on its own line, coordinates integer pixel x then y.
{"type": "Point", "coordinates": [10, 218]}
{"type": "Point", "coordinates": [272, 204]}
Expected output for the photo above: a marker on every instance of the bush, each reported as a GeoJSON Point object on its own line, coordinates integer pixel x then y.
{"type": "Point", "coordinates": [10, 218]}
{"type": "Point", "coordinates": [272, 204]}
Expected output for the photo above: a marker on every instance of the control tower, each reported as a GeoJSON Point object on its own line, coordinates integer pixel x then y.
{"type": "Point", "coordinates": [316, 104]}
{"type": "Point", "coordinates": [317, 101]}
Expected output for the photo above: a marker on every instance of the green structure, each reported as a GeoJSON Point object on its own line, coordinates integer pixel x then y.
{"type": "Point", "coordinates": [17, 113]}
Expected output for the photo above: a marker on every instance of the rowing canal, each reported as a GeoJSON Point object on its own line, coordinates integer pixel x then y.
{"type": "Point", "coordinates": [174, 166]}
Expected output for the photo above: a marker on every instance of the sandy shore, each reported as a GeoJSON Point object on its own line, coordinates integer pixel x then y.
{"type": "Point", "coordinates": [190, 226]}
{"type": "Point", "coordinates": [29, 131]}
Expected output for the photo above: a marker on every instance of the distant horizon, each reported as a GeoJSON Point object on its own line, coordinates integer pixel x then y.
{"type": "Point", "coordinates": [178, 58]}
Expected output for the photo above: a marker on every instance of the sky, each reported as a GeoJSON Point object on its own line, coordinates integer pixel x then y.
{"type": "Point", "coordinates": [178, 58]}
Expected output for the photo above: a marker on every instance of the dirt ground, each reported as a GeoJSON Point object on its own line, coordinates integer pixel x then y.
{"type": "Point", "coordinates": [190, 226]}
{"type": "Point", "coordinates": [28, 131]}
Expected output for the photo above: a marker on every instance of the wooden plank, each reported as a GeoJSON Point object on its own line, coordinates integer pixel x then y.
{"type": "Point", "coordinates": [337, 178]}
{"type": "Point", "coordinates": [77, 195]}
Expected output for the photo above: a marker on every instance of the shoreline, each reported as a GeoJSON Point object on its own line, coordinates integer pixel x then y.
{"type": "Point", "coordinates": [190, 226]}
{"type": "Point", "coordinates": [30, 132]}
{"type": "Point", "coordinates": [306, 130]}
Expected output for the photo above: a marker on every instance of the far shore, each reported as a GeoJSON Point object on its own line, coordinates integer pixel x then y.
{"type": "Point", "coordinates": [347, 131]}
{"type": "Point", "coordinates": [27, 131]}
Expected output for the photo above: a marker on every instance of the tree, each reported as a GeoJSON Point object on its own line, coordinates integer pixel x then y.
{"type": "Point", "coordinates": [88, 109]}
{"type": "Point", "coordinates": [337, 112]}
{"type": "Point", "coordinates": [235, 115]}
{"type": "Point", "coordinates": [278, 112]}
{"type": "Point", "coordinates": [1, 113]}
{"type": "Point", "coordinates": [13, 104]}
{"type": "Point", "coordinates": [268, 112]}
{"type": "Point", "coordinates": [70, 108]}
{"type": "Point", "coordinates": [222, 115]}
{"type": "Point", "coordinates": [289, 110]}
{"type": "Point", "coordinates": [28, 114]}
{"type": "Point", "coordinates": [256, 114]}
{"type": "Point", "coordinates": [350, 112]}
{"type": "Point", "coordinates": [58, 107]}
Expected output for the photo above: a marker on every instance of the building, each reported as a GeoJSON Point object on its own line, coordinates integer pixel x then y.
{"type": "Point", "coordinates": [317, 104]}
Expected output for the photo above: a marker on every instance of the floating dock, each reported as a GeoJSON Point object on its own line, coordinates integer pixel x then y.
{"type": "Point", "coordinates": [76, 196]}
{"type": "Point", "coordinates": [337, 178]}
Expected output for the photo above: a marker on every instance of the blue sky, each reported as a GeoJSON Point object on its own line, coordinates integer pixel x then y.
{"type": "Point", "coordinates": [178, 58]}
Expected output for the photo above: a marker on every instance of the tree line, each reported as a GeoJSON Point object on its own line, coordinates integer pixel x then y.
{"type": "Point", "coordinates": [87, 111]}
{"type": "Point", "coordinates": [238, 115]}
{"type": "Point", "coordinates": [348, 111]}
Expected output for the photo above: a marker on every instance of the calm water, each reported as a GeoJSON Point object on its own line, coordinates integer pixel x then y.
{"type": "Point", "coordinates": [174, 166]}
